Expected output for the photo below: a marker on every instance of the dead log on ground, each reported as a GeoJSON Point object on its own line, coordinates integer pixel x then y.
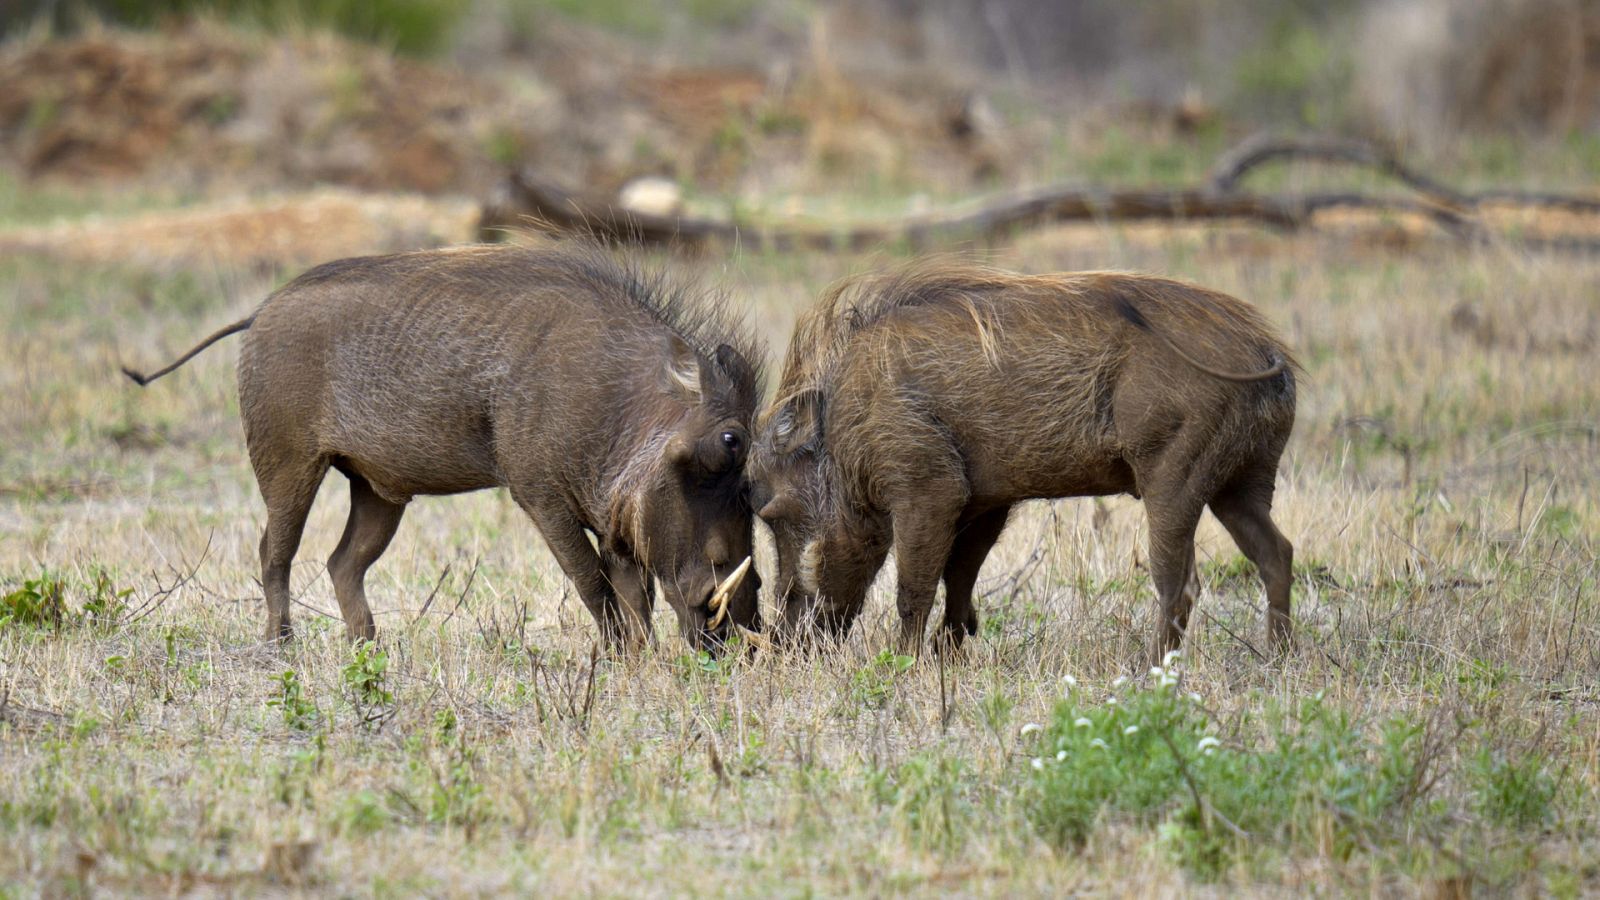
{"type": "Point", "coordinates": [528, 201]}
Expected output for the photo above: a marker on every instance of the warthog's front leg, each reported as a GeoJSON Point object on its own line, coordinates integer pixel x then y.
{"type": "Point", "coordinates": [636, 597]}
{"type": "Point", "coordinates": [579, 562]}
{"type": "Point", "coordinates": [923, 534]}
{"type": "Point", "coordinates": [972, 545]}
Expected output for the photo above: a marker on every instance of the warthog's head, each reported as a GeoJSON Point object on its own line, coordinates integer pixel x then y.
{"type": "Point", "coordinates": [681, 506]}
{"type": "Point", "coordinates": [828, 551]}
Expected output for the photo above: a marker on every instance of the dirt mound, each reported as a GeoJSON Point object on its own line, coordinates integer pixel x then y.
{"type": "Point", "coordinates": [202, 104]}
{"type": "Point", "coordinates": [111, 106]}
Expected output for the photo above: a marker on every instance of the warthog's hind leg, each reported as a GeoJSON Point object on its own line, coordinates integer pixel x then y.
{"type": "Point", "coordinates": [1172, 526]}
{"type": "Point", "coordinates": [1247, 514]}
{"type": "Point", "coordinates": [288, 491]}
{"type": "Point", "coordinates": [367, 533]}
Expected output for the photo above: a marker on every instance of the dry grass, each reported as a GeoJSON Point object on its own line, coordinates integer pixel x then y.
{"type": "Point", "coordinates": [1442, 489]}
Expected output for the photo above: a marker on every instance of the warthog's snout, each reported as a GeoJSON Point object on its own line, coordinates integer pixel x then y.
{"type": "Point", "coordinates": [724, 607]}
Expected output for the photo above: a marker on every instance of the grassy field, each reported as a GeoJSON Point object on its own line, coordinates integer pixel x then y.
{"type": "Point", "coordinates": [1437, 729]}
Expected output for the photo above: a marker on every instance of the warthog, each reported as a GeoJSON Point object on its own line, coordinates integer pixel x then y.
{"type": "Point", "coordinates": [919, 406]}
{"type": "Point", "coordinates": [610, 404]}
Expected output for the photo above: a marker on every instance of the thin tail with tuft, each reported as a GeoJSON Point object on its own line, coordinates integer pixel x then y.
{"type": "Point", "coordinates": [142, 379]}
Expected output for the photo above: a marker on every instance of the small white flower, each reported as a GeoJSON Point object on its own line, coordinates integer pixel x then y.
{"type": "Point", "coordinates": [1171, 657]}
{"type": "Point", "coordinates": [1069, 681]}
{"type": "Point", "coordinates": [1131, 729]}
{"type": "Point", "coordinates": [1167, 681]}
{"type": "Point", "coordinates": [1121, 680]}
{"type": "Point", "coordinates": [1193, 697]}
{"type": "Point", "coordinates": [1038, 763]}
{"type": "Point", "coordinates": [1111, 701]}
{"type": "Point", "coordinates": [1030, 728]}
{"type": "Point", "coordinates": [1098, 743]}
{"type": "Point", "coordinates": [1081, 722]}
{"type": "Point", "coordinates": [1061, 755]}
{"type": "Point", "coordinates": [1157, 672]}
{"type": "Point", "coordinates": [1206, 743]}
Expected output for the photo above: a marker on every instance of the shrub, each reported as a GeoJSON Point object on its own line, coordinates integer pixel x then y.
{"type": "Point", "coordinates": [364, 680]}
{"type": "Point", "coordinates": [299, 712]}
{"type": "Point", "coordinates": [873, 684]}
{"type": "Point", "coordinates": [43, 602]}
{"type": "Point", "coordinates": [1514, 792]}
{"type": "Point", "coordinates": [38, 603]}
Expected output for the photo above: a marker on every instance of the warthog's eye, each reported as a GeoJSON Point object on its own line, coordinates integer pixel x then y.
{"type": "Point", "coordinates": [718, 452]}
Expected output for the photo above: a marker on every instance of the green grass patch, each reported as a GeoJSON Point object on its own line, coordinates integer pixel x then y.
{"type": "Point", "coordinates": [1299, 777]}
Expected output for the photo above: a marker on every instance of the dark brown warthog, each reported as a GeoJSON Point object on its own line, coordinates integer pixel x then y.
{"type": "Point", "coordinates": [918, 407]}
{"type": "Point", "coordinates": [611, 405]}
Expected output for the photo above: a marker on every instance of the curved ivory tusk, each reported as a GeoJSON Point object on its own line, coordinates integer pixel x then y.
{"type": "Point", "coordinates": [756, 639]}
{"type": "Point", "coordinates": [724, 591]}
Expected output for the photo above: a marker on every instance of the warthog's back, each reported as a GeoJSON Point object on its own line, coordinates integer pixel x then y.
{"type": "Point", "coordinates": [408, 369]}
{"type": "Point", "coordinates": [1040, 381]}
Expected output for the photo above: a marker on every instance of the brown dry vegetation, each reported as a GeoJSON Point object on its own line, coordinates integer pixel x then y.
{"type": "Point", "coordinates": [1441, 489]}
{"type": "Point", "coordinates": [217, 109]}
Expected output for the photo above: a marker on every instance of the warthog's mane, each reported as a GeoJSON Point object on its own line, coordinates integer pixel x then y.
{"type": "Point", "coordinates": [823, 334]}
{"type": "Point", "coordinates": [703, 318]}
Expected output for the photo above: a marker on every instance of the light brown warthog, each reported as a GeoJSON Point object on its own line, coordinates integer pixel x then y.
{"type": "Point", "coordinates": [919, 406]}
{"type": "Point", "coordinates": [610, 405]}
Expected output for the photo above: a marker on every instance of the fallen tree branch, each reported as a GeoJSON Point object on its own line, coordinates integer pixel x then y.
{"type": "Point", "coordinates": [529, 201]}
{"type": "Point", "coordinates": [1232, 166]}
{"type": "Point", "coordinates": [1257, 150]}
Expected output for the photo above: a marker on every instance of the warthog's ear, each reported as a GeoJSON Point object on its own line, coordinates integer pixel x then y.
{"type": "Point", "coordinates": [735, 379]}
{"type": "Point", "coordinates": [683, 376]}
{"type": "Point", "coordinates": [798, 425]}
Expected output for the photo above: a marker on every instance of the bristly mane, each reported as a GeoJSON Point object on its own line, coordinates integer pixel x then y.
{"type": "Point", "coordinates": [857, 303]}
{"type": "Point", "coordinates": [703, 318]}
{"type": "Point", "coordinates": [860, 302]}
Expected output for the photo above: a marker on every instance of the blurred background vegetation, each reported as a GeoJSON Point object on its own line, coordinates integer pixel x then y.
{"type": "Point", "coordinates": [781, 106]}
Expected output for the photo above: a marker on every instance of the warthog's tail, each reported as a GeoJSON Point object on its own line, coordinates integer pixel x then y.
{"type": "Point", "coordinates": [142, 379]}
{"type": "Point", "coordinates": [1133, 315]}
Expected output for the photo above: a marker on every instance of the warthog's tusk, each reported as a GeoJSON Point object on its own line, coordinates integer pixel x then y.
{"type": "Point", "coordinates": [724, 591]}
{"type": "Point", "coordinates": [755, 638]}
